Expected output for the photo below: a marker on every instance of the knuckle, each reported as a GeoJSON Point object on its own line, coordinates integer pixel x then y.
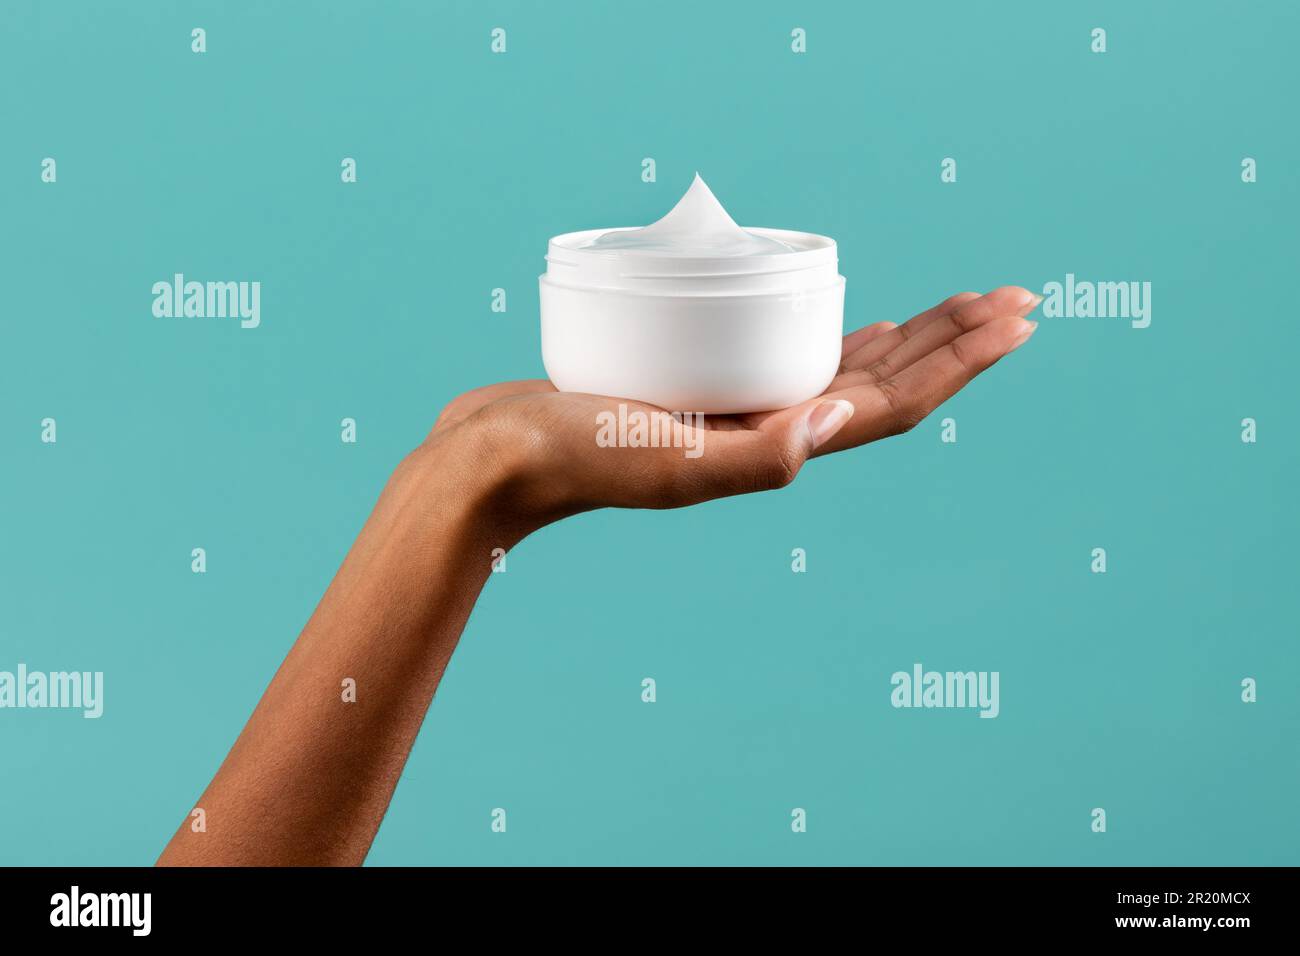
{"type": "Point", "coordinates": [880, 369]}
{"type": "Point", "coordinates": [905, 414]}
{"type": "Point", "coordinates": [961, 320]}
{"type": "Point", "coordinates": [962, 354]}
{"type": "Point", "coordinates": [953, 304]}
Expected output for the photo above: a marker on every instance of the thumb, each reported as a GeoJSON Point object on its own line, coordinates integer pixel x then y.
{"type": "Point", "coordinates": [824, 420]}
{"type": "Point", "coordinates": [796, 433]}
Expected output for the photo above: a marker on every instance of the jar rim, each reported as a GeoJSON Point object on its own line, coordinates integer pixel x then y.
{"type": "Point", "coordinates": [810, 251]}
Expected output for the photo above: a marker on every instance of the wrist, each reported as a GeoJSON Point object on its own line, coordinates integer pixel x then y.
{"type": "Point", "coordinates": [475, 485]}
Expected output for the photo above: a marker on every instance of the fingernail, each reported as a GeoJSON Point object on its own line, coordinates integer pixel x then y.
{"type": "Point", "coordinates": [828, 418]}
{"type": "Point", "coordinates": [1023, 335]}
{"type": "Point", "coordinates": [1031, 304]}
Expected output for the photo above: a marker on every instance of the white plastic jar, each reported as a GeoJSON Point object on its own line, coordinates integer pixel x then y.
{"type": "Point", "coordinates": [693, 313]}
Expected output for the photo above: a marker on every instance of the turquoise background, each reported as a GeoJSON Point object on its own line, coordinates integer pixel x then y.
{"type": "Point", "coordinates": [1119, 691]}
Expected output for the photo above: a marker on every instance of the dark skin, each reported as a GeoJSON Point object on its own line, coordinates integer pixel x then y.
{"type": "Point", "coordinates": [310, 777]}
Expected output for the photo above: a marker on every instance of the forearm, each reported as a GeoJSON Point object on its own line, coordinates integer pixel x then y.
{"type": "Point", "coordinates": [311, 775]}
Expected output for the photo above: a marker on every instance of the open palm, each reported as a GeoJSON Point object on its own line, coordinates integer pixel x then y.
{"type": "Point", "coordinates": [890, 378]}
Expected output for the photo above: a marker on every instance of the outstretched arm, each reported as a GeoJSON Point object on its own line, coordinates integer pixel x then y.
{"type": "Point", "coordinates": [309, 779]}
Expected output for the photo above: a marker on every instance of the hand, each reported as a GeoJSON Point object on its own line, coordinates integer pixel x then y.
{"type": "Point", "coordinates": [543, 442]}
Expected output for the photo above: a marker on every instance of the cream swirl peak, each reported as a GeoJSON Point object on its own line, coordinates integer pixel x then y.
{"type": "Point", "coordinates": [697, 227]}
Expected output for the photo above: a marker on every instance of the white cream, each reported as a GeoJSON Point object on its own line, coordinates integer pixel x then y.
{"type": "Point", "coordinates": [696, 226]}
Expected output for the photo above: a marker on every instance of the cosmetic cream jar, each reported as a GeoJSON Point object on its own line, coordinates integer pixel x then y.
{"type": "Point", "coordinates": [701, 316]}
